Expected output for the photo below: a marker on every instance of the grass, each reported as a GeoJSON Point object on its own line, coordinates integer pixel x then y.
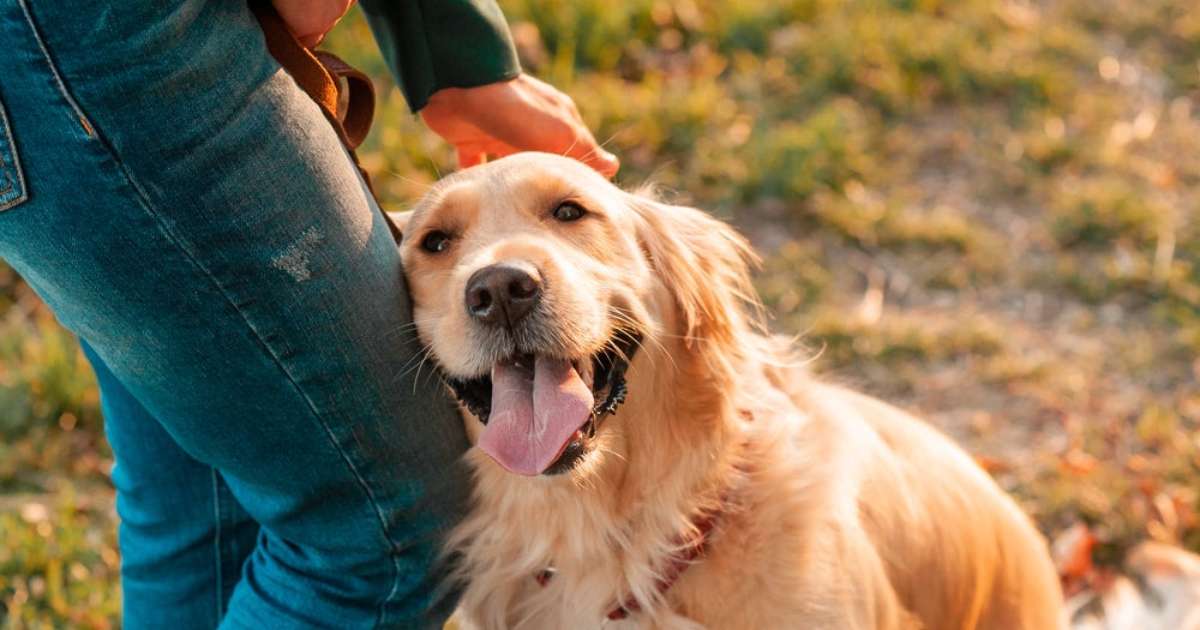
{"type": "Point", "coordinates": [984, 211]}
{"type": "Point", "coordinates": [58, 559]}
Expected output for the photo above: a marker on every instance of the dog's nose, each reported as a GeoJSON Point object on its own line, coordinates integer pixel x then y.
{"type": "Point", "coordinates": [502, 294]}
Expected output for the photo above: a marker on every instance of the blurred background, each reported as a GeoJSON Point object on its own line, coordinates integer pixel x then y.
{"type": "Point", "coordinates": [984, 211]}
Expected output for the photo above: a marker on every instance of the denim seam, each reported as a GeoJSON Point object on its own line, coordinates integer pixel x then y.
{"type": "Point", "coordinates": [220, 570]}
{"type": "Point", "coordinates": [8, 180]}
{"type": "Point", "coordinates": [58, 79]}
{"type": "Point", "coordinates": [15, 167]}
{"type": "Point", "coordinates": [178, 243]}
{"type": "Point", "coordinates": [144, 200]}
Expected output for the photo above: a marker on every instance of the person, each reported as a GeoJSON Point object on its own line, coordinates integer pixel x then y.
{"type": "Point", "coordinates": [281, 459]}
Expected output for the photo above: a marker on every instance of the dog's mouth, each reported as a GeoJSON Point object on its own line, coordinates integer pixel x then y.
{"type": "Point", "coordinates": [540, 412]}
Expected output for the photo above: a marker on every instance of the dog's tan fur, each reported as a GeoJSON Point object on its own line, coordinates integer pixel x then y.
{"type": "Point", "coordinates": [847, 513]}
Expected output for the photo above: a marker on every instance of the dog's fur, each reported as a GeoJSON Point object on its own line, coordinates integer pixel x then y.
{"type": "Point", "coordinates": [836, 510]}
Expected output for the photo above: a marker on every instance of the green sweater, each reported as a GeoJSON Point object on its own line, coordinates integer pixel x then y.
{"type": "Point", "coordinates": [435, 44]}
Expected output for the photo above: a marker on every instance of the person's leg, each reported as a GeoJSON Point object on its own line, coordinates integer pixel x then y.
{"type": "Point", "coordinates": [191, 215]}
{"type": "Point", "coordinates": [184, 536]}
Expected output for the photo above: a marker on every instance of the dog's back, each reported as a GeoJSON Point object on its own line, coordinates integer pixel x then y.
{"type": "Point", "coordinates": [957, 551]}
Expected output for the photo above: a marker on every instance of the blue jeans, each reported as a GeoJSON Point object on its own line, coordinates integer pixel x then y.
{"type": "Point", "coordinates": [281, 460]}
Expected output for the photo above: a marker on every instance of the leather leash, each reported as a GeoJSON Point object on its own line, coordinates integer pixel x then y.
{"type": "Point", "coordinates": [344, 94]}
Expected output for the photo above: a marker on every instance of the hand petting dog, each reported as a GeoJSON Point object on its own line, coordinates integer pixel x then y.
{"type": "Point", "coordinates": [508, 117]}
{"type": "Point", "coordinates": [493, 120]}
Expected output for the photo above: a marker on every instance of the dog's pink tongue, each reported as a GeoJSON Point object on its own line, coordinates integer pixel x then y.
{"type": "Point", "coordinates": [534, 416]}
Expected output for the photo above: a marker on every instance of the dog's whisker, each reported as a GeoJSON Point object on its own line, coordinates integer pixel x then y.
{"type": "Point", "coordinates": [613, 135]}
{"type": "Point", "coordinates": [626, 333]}
{"type": "Point", "coordinates": [567, 152]}
{"type": "Point", "coordinates": [612, 453]}
{"type": "Point", "coordinates": [599, 146]}
{"type": "Point", "coordinates": [398, 175]}
{"type": "Point", "coordinates": [421, 357]}
{"type": "Point", "coordinates": [428, 359]}
{"type": "Point", "coordinates": [411, 326]}
{"type": "Point", "coordinates": [652, 340]}
{"type": "Point", "coordinates": [400, 373]}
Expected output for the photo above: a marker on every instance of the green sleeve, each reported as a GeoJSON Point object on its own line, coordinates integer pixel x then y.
{"type": "Point", "coordinates": [435, 44]}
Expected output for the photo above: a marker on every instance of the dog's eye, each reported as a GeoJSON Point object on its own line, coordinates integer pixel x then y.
{"type": "Point", "coordinates": [435, 242]}
{"type": "Point", "coordinates": [569, 211]}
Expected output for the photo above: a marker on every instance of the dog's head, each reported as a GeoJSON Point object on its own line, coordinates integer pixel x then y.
{"type": "Point", "coordinates": [539, 287]}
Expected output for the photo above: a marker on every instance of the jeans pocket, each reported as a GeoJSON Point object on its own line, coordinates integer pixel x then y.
{"type": "Point", "coordinates": [12, 182]}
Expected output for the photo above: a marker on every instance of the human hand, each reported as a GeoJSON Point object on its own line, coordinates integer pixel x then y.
{"type": "Point", "coordinates": [310, 20]}
{"type": "Point", "coordinates": [522, 114]}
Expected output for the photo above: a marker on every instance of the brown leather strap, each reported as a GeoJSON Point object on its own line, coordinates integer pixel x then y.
{"type": "Point", "coordinates": [345, 95]}
{"type": "Point", "coordinates": [356, 110]}
{"type": "Point", "coordinates": [349, 106]}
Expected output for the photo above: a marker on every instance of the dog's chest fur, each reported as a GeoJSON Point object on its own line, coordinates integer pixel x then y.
{"type": "Point", "coordinates": [608, 535]}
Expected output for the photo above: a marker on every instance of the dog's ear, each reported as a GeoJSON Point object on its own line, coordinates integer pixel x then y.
{"type": "Point", "coordinates": [706, 265]}
{"type": "Point", "coordinates": [400, 219]}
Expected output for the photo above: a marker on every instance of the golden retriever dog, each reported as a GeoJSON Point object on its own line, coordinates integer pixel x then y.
{"type": "Point", "coordinates": [645, 456]}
